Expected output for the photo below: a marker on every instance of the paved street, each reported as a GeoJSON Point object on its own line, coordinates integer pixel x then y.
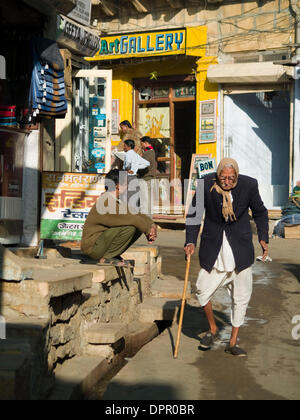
{"type": "Point", "coordinates": [271, 371]}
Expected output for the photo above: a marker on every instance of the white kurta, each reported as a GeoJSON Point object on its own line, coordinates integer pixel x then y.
{"type": "Point", "coordinates": [225, 260]}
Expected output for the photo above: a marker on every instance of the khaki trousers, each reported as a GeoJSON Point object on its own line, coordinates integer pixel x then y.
{"type": "Point", "coordinates": [114, 241]}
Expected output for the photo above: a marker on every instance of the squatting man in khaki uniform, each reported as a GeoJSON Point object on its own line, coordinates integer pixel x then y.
{"type": "Point", "coordinates": [110, 228]}
{"type": "Point", "coordinates": [226, 248]}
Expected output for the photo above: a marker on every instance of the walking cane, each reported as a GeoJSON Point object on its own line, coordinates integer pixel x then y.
{"type": "Point", "coordinates": [186, 280]}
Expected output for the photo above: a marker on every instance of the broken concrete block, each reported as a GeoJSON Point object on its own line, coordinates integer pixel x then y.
{"type": "Point", "coordinates": [108, 333]}
{"type": "Point", "coordinates": [12, 268]}
{"type": "Point", "coordinates": [158, 309]}
{"type": "Point", "coordinates": [169, 287]}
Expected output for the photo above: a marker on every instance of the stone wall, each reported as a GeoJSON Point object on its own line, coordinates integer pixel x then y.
{"type": "Point", "coordinates": [48, 317]}
{"type": "Point", "coordinates": [231, 27]}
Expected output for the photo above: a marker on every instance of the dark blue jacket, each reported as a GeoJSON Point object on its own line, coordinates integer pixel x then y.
{"type": "Point", "coordinates": [245, 196]}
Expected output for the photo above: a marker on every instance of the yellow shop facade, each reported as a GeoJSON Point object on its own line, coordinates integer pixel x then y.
{"type": "Point", "coordinates": [159, 84]}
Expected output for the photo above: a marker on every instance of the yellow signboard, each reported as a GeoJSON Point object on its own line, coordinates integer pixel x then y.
{"type": "Point", "coordinates": [142, 44]}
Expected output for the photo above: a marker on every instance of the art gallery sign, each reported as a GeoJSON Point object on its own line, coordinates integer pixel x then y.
{"type": "Point", "coordinates": [142, 44]}
{"type": "Point", "coordinates": [189, 41]}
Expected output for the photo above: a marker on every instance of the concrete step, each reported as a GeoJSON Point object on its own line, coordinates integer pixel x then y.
{"type": "Point", "coordinates": [158, 309]}
{"type": "Point", "coordinates": [146, 259]}
{"type": "Point", "coordinates": [77, 376]}
{"type": "Point", "coordinates": [169, 287]}
{"type": "Point", "coordinates": [152, 250]}
{"type": "Point", "coordinates": [31, 252]}
{"type": "Point", "coordinates": [59, 282]}
{"type": "Point", "coordinates": [26, 327]}
{"type": "Point", "coordinates": [31, 297]}
{"type": "Point", "coordinates": [100, 274]}
{"type": "Point", "coordinates": [105, 333]}
{"type": "Point", "coordinates": [12, 267]}
{"type": "Point", "coordinates": [15, 369]}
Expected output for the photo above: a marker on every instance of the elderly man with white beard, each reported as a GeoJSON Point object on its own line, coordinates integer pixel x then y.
{"type": "Point", "coordinates": [226, 250]}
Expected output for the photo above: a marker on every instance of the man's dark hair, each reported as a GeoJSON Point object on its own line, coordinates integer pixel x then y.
{"type": "Point", "coordinates": [130, 143]}
{"type": "Point", "coordinates": [113, 178]}
{"type": "Point", "coordinates": [126, 122]}
{"type": "Point", "coordinates": [146, 139]}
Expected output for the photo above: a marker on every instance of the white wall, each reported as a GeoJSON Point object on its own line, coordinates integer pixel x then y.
{"type": "Point", "coordinates": [256, 134]}
{"type": "Point", "coordinates": [31, 189]}
{"type": "Point", "coordinates": [296, 174]}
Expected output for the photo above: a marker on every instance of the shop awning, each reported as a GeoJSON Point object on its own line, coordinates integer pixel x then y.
{"type": "Point", "coordinates": [248, 73]}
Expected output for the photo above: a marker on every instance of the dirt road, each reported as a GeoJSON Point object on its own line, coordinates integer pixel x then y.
{"type": "Point", "coordinates": [272, 369]}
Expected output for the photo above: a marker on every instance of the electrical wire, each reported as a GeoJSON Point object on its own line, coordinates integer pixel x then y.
{"type": "Point", "coordinates": [223, 20]}
{"type": "Point", "coordinates": [233, 38]}
{"type": "Point", "coordinates": [163, 9]}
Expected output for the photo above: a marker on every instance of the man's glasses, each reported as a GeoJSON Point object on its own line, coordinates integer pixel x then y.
{"type": "Point", "coordinates": [229, 178]}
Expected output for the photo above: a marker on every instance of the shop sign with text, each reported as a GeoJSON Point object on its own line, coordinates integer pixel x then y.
{"type": "Point", "coordinates": [67, 199]}
{"type": "Point", "coordinates": [76, 37]}
{"type": "Point", "coordinates": [171, 42]}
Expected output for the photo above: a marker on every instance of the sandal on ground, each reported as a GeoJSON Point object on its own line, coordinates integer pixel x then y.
{"type": "Point", "coordinates": [208, 339]}
{"type": "Point", "coordinates": [115, 262]}
{"type": "Point", "coordinates": [236, 351]}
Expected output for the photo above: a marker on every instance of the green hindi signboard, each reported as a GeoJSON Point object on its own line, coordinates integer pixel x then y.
{"type": "Point", "coordinates": [67, 199]}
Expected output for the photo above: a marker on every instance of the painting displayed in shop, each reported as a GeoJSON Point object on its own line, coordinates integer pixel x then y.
{"type": "Point", "coordinates": [208, 118]}
{"type": "Point", "coordinates": [155, 122]}
{"type": "Point", "coordinates": [67, 199]}
{"type": "Point", "coordinates": [115, 116]}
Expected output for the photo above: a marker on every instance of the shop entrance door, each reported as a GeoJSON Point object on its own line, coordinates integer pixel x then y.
{"type": "Point", "coordinates": [184, 139]}
{"type": "Point", "coordinates": [166, 112]}
{"type": "Point", "coordinates": [92, 121]}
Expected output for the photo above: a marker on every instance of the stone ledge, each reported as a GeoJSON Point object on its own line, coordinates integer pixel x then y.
{"type": "Point", "coordinates": [13, 371]}
{"type": "Point", "coordinates": [158, 309]}
{"type": "Point", "coordinates": [153, 250]}
{"type": "Point", "coordinates": [169, 287]}
{"type": "Point", "coordinates": [15, 366]}
{"type": "Point", "coordinates": [55, 283]}
{"type": "Point", "coordinates": [100, 274]}
{"type": "Point", "coordinates": [25, 327]}
{"type": "Point", "coordinates": [108, 333]}
{"type": "Point", "coordinates": [12, 268]}
{"type": "Point", "coordinates": [77, 376]}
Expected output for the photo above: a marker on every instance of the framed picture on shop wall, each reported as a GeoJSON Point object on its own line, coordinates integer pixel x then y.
{"type": "Point", "coordinates": [208, 118]}
{"type": "Point", "coordinates": [115, 116]}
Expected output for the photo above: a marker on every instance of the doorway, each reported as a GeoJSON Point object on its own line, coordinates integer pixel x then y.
{"type": "Point", "coordinates": [184, 139]}
{"type": "Point", "coordinates": [166, 112]}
